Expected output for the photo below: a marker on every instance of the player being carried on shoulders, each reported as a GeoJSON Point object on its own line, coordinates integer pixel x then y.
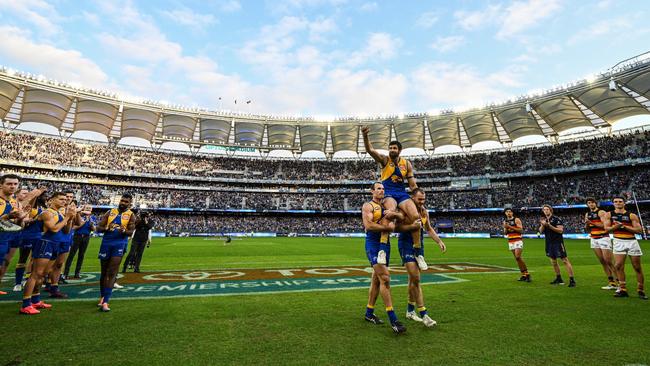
{"type": "Point", "coordinates": [396, 173]}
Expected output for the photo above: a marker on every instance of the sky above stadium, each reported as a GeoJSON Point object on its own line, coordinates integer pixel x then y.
{"type": "Point", "coordinates": [321, 58]}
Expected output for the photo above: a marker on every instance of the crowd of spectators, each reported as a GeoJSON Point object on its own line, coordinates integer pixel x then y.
{"type": "Point", "coordinates": [31, 148]}
{"type": "Point", "coordinates": [522, 192]}
{"type": "Point", "coordinates": [491, 223]}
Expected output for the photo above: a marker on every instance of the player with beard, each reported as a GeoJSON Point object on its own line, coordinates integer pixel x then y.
{"type": "Point", "coordinates": [118, 225]}
{"type": "Point", "coordinates": [396, 172]}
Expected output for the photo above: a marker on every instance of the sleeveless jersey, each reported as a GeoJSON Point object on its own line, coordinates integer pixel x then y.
{"type": "Point", "coordinates": [394, 177]}
{"type": "Point", "coordinates": [58, 236]}
{"type": "Point", "coordinates": [625, 219]}
{"type": "Point", "coordinates": [115, 221]}
{"type": "Point", "coordinates": [35, 228]}
{"type": "Point", "coordinates": [596, 232]}
{"type": "Point", "coordinates": [512, 235]}
{"type": "Point", "coordinates": [377, 215]}
{"type": "Point", "coordinates": [5, 208]}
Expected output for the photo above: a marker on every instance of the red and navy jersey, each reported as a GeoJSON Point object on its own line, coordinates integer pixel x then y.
{"type": "Point", "coordinates": [512, 235]}
{"type": "Point", "coordinates": [626, 220]}
{"type": "Point", "coordinates": [594, 231]}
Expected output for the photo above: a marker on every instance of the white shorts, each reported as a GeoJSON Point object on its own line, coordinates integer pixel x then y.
{"type": "Point", "coordinates": [604, 243]}
{"type": "Point", "coordinates": [516, 245]}
{"type": "Point", "coordinates": [630, 247]}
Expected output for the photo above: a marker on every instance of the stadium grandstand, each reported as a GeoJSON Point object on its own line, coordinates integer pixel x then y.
{"type": "Point", "coordinates": [198, 192]}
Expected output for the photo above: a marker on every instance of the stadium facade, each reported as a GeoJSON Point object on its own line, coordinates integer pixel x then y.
{"type": "Point", "coordinates": [296, 195]}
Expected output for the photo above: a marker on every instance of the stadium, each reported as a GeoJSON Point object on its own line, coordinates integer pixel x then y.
{"type": "Point", "coordinates": [256, 256]}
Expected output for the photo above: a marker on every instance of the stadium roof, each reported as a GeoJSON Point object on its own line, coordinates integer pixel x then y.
{"type": "Point", "coordinates": [621, 92]}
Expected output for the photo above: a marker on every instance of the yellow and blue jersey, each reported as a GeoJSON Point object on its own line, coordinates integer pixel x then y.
{"type": "Point", "coordinates": [393, 176]}
{"type": "Point", "coordinates": [6, 206]}
{"type": "Point", "coordinates": [58, 236]}
{"type": "Point", "coordinates": [406, 238]}
{"type": "Point", "coordinates": [377, 215]}
{"type": "Point", "coordinates": [34, 230]}
{"type": "Point", "coordinates": [117, 219]}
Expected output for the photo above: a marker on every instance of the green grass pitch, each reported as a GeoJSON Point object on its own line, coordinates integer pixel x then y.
{"type": "Point", "coordinates": [490, 319]}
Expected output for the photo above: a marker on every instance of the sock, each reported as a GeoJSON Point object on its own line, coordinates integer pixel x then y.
{"type": "Point", "coordinates": [36, 298]}
{"type": "Point", "coordinates": [27, 301]}
{"type": "Point", "coordinates": [571, 279]}
{"type": "Point", "coordinates": [610, 279]}
{"type": "Point", "coordinates": [54, 288]}
{"type": "Point", "coordinates": [410, 307]}
{"type": "Point", "coordinates": [558, 277]}
{"type": "Point", "coordinates": [370, 310]}
{"type": "Point", "coordinates": [639, 288]}
{"type": "Point", "coordinates": [623, 286]}
{"type": "Point", "coordinates": [422, 310]}
{"type": "Point", "coordinates": [102, 291]}
{"type": "Point", "coordinates": [20, 272]}
{"type": "Point", "coordinates": [391, 314]}
{"type": "Point", "coordinates": [524, 272]}
{"type": "Point", "coordinates": [107, 295]}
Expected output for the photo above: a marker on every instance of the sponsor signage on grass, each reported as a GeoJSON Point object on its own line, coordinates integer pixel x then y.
{"type": "Point", "coordinates": [257, 281]}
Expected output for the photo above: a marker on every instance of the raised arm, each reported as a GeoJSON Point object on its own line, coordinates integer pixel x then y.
{"type": "Point", "coordinates": [379, 158]}
{"type": "Point", "coordinates": [31, 196]}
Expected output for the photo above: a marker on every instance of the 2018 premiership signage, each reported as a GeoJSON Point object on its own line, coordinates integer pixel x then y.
{"type": "Point", "coordinates": [222, 282]}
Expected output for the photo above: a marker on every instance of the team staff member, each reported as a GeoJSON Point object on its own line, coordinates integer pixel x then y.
{"type": "Point", "coordinates": [378, 226]}
{"type": "Point", "coordinates": [80, 241]}
{"type": "Point", "coordinates": [118, 225]}
{"type": "Point", "coordinates": [514, 229]}
{"type": "Point", "coordinates": [141, 238]}
{"type": "Point", "coordinates": [553, 228]}
{"type": "Point", "coordinates": [408, 253]}
{"type": "Point", "coordinates": [625, 225]}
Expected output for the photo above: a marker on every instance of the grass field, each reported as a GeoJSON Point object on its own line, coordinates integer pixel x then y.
{"type": "Point", "coordinates": [490, 319]}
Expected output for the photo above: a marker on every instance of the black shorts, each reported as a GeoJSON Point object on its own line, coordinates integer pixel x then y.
{"type": "Point", "coordinates": [555, 250]}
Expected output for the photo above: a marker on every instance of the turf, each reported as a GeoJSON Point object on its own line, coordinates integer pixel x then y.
{"type": "Point", "coordinates": [491, 319]}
